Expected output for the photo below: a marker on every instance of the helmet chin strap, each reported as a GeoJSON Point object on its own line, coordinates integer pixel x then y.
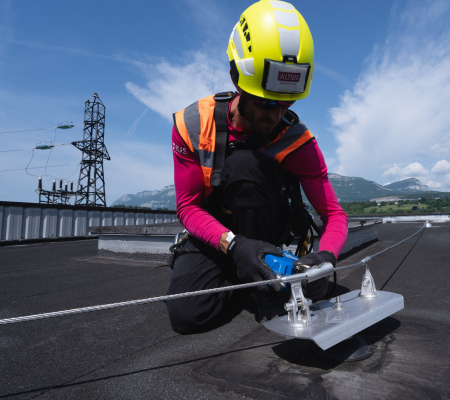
{"type": "Point", "coordinates": [241, 109]}
{"type": "Point", "coordinates": [240, 106]}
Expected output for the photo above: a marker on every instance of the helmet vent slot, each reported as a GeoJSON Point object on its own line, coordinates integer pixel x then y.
{"type": "Point", "coordinates": [249, 49]}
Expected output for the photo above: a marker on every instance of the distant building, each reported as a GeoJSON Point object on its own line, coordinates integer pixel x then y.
{"type": "Point", "coordinates": [385, 199]}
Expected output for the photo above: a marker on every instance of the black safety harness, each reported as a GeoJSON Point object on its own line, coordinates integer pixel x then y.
{"type": "Point", "coordinates": [303, 223]}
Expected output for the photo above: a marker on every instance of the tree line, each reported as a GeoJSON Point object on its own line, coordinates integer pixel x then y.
{"type": "Point", "coordinates": [424, 204]}
{"type": "Point", "coordinates": [411, 206]}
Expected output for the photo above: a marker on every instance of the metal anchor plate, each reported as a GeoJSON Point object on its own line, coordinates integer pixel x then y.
{"type": "Point", "coordinates": [332, 326]}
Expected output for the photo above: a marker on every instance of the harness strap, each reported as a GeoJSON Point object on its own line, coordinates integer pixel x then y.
{"type": "Point", "coordinates": [221, 120]}
{"type": "Point", "coordinates": [290, 118]}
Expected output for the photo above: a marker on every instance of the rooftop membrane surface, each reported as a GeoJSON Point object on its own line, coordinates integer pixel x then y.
{"type": "Point", "coordinates": [132, 352]}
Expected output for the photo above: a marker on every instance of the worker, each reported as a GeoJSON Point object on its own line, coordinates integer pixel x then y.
{"type": "Point", "coordinates": [238, 160]}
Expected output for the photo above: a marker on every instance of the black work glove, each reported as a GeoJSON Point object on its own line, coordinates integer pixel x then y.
{"type": "Point", "coordinates": [313, 259]}
{"type": "Point", "coordinates": [248, 256]}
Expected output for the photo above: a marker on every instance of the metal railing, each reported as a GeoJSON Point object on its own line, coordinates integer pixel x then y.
{"type": "Point", "coordinates": [25, 221]}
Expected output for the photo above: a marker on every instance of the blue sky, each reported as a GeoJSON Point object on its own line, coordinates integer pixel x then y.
{"type": "Point", "coordinates": [378, 105]}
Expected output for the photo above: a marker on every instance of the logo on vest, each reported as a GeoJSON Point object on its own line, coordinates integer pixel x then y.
{"type": "Point", "coordinates": [288, 76]}
{"type": "Point", "coordinates": [179, 149]}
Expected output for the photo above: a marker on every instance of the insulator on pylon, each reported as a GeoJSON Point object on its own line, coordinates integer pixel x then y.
{"type": "Point", "coordinates": [60, 184]}
{"type": "Point", "coordinates": [71, 186]}
{"type": "Point", "coordinates": [40, 183]}
{"type": "Point", "coordinates": [54, 185]}
{"type": "Point", "coordinates": [65, 186]}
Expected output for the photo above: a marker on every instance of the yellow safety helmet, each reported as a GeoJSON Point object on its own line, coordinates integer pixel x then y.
{"type": "Point", "coordinates": [271, 52]}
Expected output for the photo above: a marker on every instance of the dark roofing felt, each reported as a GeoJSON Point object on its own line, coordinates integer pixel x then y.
{"type": "Point", "coordinates": [132, 353]}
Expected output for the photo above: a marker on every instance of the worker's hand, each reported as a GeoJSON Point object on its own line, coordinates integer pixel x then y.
{"type": "Point", "coordinates": [248, 256]}
{"type": "Point", "coordinates": [313, 259]}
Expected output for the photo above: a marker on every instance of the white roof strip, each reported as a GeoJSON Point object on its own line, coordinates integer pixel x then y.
{"type": "Point", "coordinates": [289, 41]}
{"type": "Point", "coordinates": [237, 43]}
{"type": "Point", "coordinates": [282, 5]}
{"type": "Point", "coordinates": [288, 19]}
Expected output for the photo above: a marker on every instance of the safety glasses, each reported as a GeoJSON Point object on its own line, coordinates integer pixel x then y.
{"type": "Point", "coordinates": [267, 104]}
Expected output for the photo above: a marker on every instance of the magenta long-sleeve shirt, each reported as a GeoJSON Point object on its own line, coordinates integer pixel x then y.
{"type": "Point", "coordinates": [307, 164]}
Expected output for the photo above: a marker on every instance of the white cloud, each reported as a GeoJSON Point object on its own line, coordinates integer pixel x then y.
{"type": "Point", "coordinates": [441, 167]}
{"type": "Point", "coordinates": [398, 109]}
{"type": "Point", "coordinates": [433, 178]}
{"type": "Point", "coordinates": [171, 87]}
{"type": "Point", "coordinates": [414, 169]}
{"type": "Point", "coordinates": [394, 172]}
{"type": "Point", "coordinates": [136, 123]}
{"type": "Point", "coordinates": [433, 184]}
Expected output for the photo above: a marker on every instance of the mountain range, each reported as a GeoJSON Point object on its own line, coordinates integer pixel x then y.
{"type": "Point", "coordinates": [350, 188]}
{"type": "Point", "coordinates": [347, 189]}
{"type": "Point", "coordinates": [164, 198]}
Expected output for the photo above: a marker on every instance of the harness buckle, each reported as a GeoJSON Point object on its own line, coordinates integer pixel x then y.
{"type": "Point", "coordinates": [290, 118]}
{"type": "Point", "coordinates": [224, 96]}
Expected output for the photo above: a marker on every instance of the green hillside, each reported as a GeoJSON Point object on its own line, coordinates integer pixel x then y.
{"type": "Point", "coordinates": [350, 189]}
{"type": "Point", "coordinates": [425, 204]}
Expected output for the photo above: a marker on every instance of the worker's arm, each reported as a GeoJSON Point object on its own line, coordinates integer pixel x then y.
{"type": "Point", "coordinates": [189, 188]}
{"type": "Point", "coordinates": [308, 164]}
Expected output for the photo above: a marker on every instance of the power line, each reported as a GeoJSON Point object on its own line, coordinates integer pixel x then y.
{"type": "Point", "coordinates": [38, 147]}
{"type": "Point", "coordinates": [49, 166]}
{"type": "Point", "coordinates": [39, 129]}
{"type": "Point", "coordinates": [48, 158]}
{"type": "Point", "coordinates": [26, 169]}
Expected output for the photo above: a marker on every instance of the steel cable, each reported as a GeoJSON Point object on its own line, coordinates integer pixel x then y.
{"type": "Point", "coordinates": [179, 295]}
{"type": "Point", "coordinates": [135, 302]}
{"type": "Point", "coordinates": [367, 259]}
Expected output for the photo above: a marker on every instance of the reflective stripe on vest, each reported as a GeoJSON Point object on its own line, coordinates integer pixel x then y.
{"type": "Point", "coordinates": [197, 128]}
{"type": "Point", "coordinates": [288, 140]}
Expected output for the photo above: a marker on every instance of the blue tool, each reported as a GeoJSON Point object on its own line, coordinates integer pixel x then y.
{"type": "Point", "coordinates": [283, 265]}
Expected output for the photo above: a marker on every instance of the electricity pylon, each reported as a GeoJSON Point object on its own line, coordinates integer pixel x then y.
{"type": "Point", "coordinates": [91, 183]}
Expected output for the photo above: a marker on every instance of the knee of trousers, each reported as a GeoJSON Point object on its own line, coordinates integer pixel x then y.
{"type": "Point", "coordinates": [193, 314]}
{"type": "Point", "coordinates": [316, 290]}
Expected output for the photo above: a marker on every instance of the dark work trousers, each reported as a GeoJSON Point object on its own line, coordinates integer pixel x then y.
{"type": "Point", "coordinates": [253, 191]}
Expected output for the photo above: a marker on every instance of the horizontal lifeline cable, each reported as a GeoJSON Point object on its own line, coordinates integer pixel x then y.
{"type": "Point", "coordinates": [178, 296]}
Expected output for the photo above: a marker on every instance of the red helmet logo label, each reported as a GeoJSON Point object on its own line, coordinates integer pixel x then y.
{"type": "Point", "coordinates": [288, 76]}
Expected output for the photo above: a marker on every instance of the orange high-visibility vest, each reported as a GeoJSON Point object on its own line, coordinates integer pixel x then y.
{"type": "Point", "coordinates": [196, 126]}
